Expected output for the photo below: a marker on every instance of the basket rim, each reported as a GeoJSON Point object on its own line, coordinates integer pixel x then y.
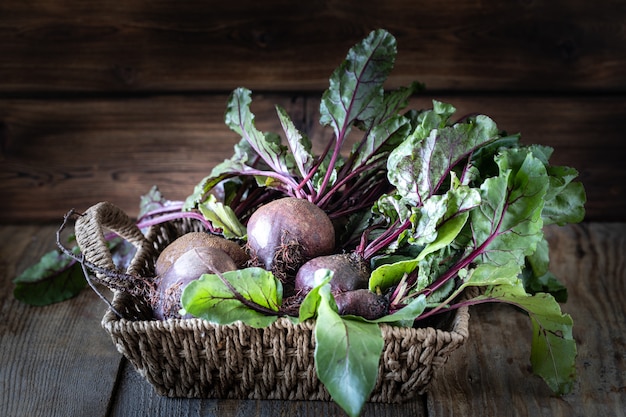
{"type": "Point", "coordinates": [459, 328]}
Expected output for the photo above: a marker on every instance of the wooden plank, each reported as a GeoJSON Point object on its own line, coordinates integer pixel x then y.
{"type": "Point", "coordinates": [55, 360]}
{"type": "Point", "coordinates": [135, 395]}
{"type": "Point", "coordinates": [73, 153]}
{"type": "Point", "coordinates": [282, 45]}
{"type": "Point", "coordinates": [58, 155]}
{"type": "Point", "coordinates": [493, 374]}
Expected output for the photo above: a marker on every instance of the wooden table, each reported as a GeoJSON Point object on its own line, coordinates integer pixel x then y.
{"type": "Point", "coordinates": [58, 361]}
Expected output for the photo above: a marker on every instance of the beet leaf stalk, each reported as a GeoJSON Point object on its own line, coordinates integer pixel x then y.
{"type": "Point", "coordinates": [340, 181]}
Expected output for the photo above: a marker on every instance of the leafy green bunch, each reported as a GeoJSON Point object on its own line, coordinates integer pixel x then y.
{"type": "Point", "coordinates": [443, 205]}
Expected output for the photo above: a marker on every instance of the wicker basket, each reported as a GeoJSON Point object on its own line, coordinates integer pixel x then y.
{"type": "Point", "coordinates": [197, 359]}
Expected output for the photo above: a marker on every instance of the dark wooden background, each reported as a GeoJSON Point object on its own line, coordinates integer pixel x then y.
{"type": "Point", "coordinates": [102, 100]}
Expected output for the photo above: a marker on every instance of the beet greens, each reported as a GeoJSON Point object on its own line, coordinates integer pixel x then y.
{"type": "Point", "coordinates": [340, 185]}
{"type": "Point", "coordinates": [434, 205]}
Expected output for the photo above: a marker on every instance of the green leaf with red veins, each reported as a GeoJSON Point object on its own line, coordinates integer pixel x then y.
{"type": "Point", "coordinates": [438, 223]}
{"type": "Point", "coordinates": [299, 144]}
{"type": "Point", "coordinates": [386, 130]}
{"type": "Point", "coordinates": [56, 277]}
{"type": "Point", "coordinates": [222, 217]}
{"type": "Point", "coordinates": [419, 166]}
{"type": "Point", "coordinates": [238, 164]}
{"type": "Point", "coordinates": [392, 207]}
{"type": "Point", "coordinates": [438, 210]}
{"type": "Point", "coordinates": [216, 298]}
{"type": "Point", "coordinates": [508, 225]}
{"type": "Point", "coordinates": [553, 349]}
{"type": "Point", "coordinates": [356, 86]}
{"type": "Point", "coordinates": [393, 102]}
{"type": "Point", "coordinates": [537, 276]}
{"type": "Point", "coordinates": [381, 139]}
{"type": "Point", "coordinates": [241, 120]}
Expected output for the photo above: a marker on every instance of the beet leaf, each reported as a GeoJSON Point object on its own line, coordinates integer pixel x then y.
{"type": "Point", "coordinates": [347, 353]}
{"type": "Point", "coordinates": [553, 348]}
{"type": "Point", "coordinates": [418, 167]}
{"type": "Point", "coordinates": [56, 277]}
{"type": "Point", "coordinates": [251, 295]}
{"type": "Point", "coordinates": [356, 86]}
{"type": "Point", "coordinates": [222, 217]}
{"type": "Point", "coordinates": [537, 277]}
{"type": "Point", "coordinates": [299, 144]}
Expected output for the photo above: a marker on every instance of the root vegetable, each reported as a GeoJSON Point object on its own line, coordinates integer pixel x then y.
{"type": "Point", "coordinates": [186, 259]}
{"type": "Point", "coordinates": [188, 267]}
{"type": "Point", "coordinates": [362, 302]}
{"type": "Point", "coordinates": [348, 285]}
{"type": "Point", "coordinates": [351, 272]}
{"type": "Point", "coordinates": [196, 240]}
{"type": "Point", "coordinates": [286, 232]}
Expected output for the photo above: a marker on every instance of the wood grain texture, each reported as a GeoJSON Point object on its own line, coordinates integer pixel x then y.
{"type": "Point", "coordinates": [89, 46]}
{"type": "Point", "coordinates": [54, 360]}
{"type": "Point", "coordinates": [72, 153]}
{"type": "Point", "coordinates": [101, 101]}
{"type": "Point", "coordinates": [75, 153]}
{"type": "Point", "coordinates": [494, 371]}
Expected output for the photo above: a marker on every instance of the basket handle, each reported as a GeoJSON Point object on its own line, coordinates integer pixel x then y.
{"type": "Point", "coordinates": [89, 229]}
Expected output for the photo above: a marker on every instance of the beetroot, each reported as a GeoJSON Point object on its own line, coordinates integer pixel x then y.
{"type": "Point", "coordinates": [193, 240]}
{"type": "Point", "coordinates": [362, 302]}
{"type": "Point", "coordinates": [186, 259]}
{"type": "Point", "coordinates": [348, 285]}
{"type": "Point", "coordinates": [188, 267]}
{"type": "Point", "coordinates": [286, 232]}
{"type": "Point", "coordinates": [350, 272]}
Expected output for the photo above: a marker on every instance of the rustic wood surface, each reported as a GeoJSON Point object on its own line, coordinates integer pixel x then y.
{"type": "Point", "coordinates": [135, 46]}
{"type": "Point", "coordinates": [73, 153]}
{"type": "Point", "coordinates": [57, 361]}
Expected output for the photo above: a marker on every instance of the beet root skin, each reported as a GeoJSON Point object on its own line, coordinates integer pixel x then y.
{"type": "Point", "coordinates": [363, 303]}
{"type": "Point", "coordinates": [349, 285]}
{"type": "Point", "coordinates": [350, 272]}
{"type": "Point", "coordinates": [289, 222]}
{"type": "Point", "coordinates": [190, 266]}
{"type": "Point", "coordinates": [193, 240]}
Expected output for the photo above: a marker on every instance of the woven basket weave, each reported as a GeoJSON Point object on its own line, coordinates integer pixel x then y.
{"type": "Point", "coordinates": [197, 359]}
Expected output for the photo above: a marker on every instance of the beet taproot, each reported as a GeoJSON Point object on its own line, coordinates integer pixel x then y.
{"type": "Point", "coordinates": [186, 259]}
{"type": "Point", "coordinates": [285, 233]}
{"type": "Point", "coordinates": [363, 303]}
{"type": "Point", "coordinates": [350, 272]}
{"type": "Point", "coordinates": [188, 267]}
{"type": "Point", "coordinates": [196, 240]}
